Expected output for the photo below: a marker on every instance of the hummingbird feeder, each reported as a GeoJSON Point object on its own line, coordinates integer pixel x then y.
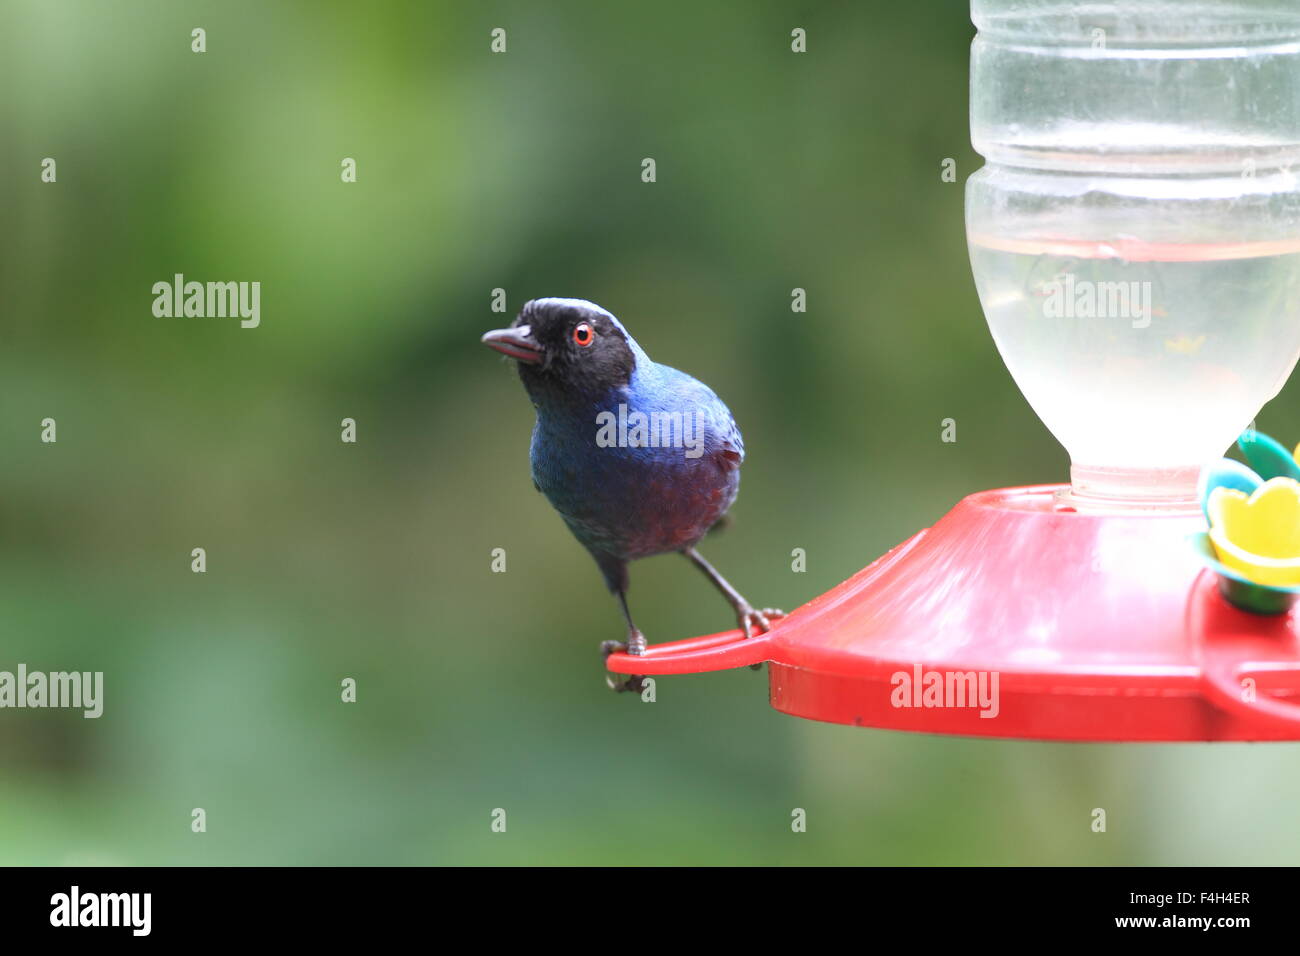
{"type": "Point", "coordinates": [1135, 241]}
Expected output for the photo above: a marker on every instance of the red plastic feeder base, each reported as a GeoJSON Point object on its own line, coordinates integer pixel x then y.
{"type": "Point", "coordinates": [1010, 618]}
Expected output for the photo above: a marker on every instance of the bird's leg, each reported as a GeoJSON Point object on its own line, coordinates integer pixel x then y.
{"type": "Point", "coordinates": [634, 645]}
{"type": "Point", "coordinates": [746, 615]}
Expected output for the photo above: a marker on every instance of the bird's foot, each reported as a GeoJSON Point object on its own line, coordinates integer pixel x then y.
{"type": "Point", "coordinates": [749, 618]}
{"type": "Point", "coordinates": [634, 645]}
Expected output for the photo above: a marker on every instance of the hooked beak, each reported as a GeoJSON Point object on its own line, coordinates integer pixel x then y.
{"type": "Point", "coordinates": [518, 343]}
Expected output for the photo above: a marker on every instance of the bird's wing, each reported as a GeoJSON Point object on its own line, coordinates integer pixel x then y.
{"type": "Point", "coordinates": [726, 446]}
{"type": "Point", "coordinates": [732, 448]}
{"type": "Point", "coordinates": [532, 454]}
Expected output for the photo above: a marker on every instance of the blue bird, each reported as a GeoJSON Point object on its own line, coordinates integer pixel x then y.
{"type": "Point", "coordinates": [638, 458]}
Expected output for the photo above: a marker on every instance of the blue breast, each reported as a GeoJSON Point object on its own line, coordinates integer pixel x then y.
{"type": "Point", "coordinates": [632, 491]}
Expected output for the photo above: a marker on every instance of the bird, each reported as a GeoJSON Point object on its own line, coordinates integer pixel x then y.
{"type": "Point", "coordinates": [638, 458]}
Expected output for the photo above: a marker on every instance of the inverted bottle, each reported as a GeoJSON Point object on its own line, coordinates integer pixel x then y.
{"type": "Point", "coordinates": [1135, 233]}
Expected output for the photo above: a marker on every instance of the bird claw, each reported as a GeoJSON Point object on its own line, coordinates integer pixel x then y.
{"type": "Point", "coordinates": [634, 645]}
{"type": "Point", "coordinates": [635, 683]}
{"type": "Point", "coordinates": [749, 618]}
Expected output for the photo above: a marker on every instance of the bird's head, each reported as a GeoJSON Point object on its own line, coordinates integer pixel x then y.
{"type": "Point", "coordinates": [567, 346]}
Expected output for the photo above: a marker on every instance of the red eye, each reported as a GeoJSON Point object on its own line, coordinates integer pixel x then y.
{"type": "Point", "coordinates": [583, 334]}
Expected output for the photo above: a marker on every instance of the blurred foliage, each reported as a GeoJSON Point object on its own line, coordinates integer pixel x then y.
{"type": "Point", "coordinates": [481, 690]}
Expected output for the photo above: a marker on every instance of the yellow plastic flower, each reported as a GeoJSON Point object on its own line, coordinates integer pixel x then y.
{"type": "Point", "coordinates": [1259, 536]}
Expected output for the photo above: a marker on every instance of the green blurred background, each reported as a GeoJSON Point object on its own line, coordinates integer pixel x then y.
{"type": "Point", "coordinates": [326, 560]}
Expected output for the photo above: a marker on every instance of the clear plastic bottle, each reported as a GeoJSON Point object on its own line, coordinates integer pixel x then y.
{"type": "Point", "coordinates": [1135, 232]}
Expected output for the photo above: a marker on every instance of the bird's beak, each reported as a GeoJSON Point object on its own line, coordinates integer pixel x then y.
{"type": "Point", "coordinates": [517, 342]}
